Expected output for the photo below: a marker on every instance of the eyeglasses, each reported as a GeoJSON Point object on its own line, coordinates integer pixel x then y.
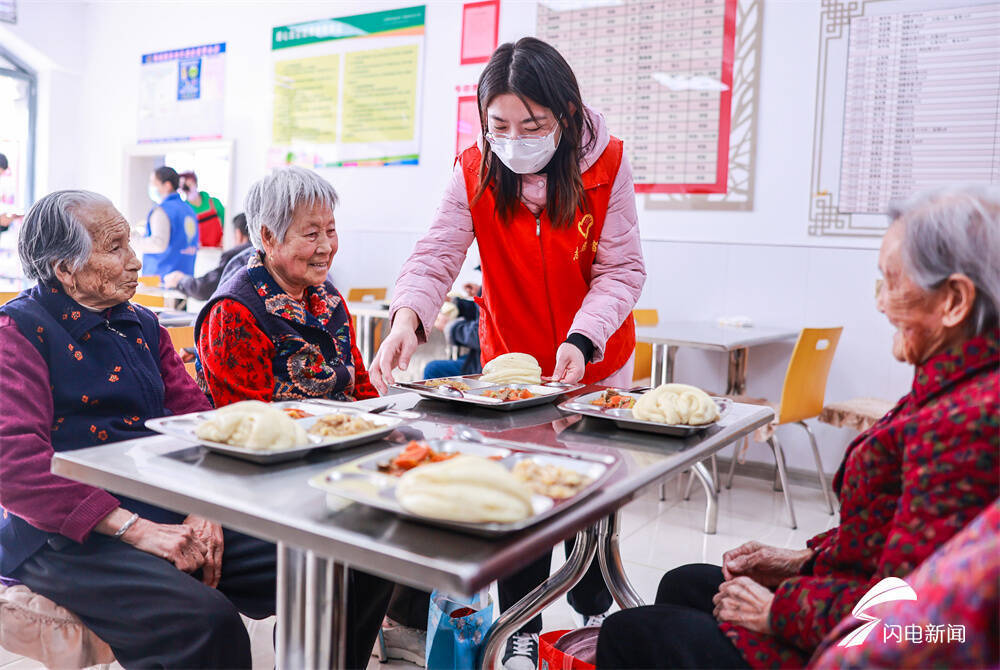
{"type": "Point", "coordinates": [492, 137]}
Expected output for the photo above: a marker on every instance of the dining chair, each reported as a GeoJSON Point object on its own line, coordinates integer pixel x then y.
{"type": "Point", "coordinates": [366, 294]}
{"type": "Point", "coordinates": [182, 337]}
{"type": "Point", "coordinates": [149, 300]}
{"type": "Point", "coordinates": [801, 398]}
{"type": "Point", "coordinates": [7, 296]}
{"type": "Point", "coordinates": [644, 350]}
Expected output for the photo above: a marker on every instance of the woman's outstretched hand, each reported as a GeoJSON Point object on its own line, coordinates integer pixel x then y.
{"type": "Point", "coordinates": [396, 349]}
{"type": "Point", "coordinates": [569, 364]}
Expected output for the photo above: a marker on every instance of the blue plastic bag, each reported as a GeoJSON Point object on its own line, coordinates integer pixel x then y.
{"type": "Point", "coordinates": [453, 642]}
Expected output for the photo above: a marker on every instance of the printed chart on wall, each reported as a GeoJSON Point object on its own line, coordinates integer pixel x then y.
{"type": "Point", "coordinates": [907, 99]}
{"type": "Point", "coordinates": [181, 94]}
{"type": "Point", "coordinates": [347, 90]}
{"type": "Point", "coordinates": [662, 75]}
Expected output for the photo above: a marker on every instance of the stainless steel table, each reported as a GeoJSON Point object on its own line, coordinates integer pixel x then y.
{"type": "Point", "coordinates": [366, 314]}
{"type": "Point", "coordinates": [667, 336]}
{"type": "Point", "coordinates": [317, 542]}
{"type": "Point", "coordinates": [171, 318]}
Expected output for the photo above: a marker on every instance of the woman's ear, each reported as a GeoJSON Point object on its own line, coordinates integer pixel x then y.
{"type": "Point", "coordinates": [572, 110]}
{"type": "Point", "coordinates": [267, 239]}
{"type": "Point", "coordinates": [63, 274]}
{"type": "Point", "coordinates": [960, 296]}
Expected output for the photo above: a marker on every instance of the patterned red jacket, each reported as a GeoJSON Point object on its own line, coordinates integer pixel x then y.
{"type": "Point", "coordinates": [906, 486]}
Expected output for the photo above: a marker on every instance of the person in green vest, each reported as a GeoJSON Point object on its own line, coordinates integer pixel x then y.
{"type": "Point", "coordinates": [211, 213]}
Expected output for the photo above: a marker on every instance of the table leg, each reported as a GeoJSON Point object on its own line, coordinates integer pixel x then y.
{"type": "Point", "coordinates": [312, 610]}
{"type": "Point", "coordinates": [552, 588]}
{"type": "Point", "coordinates": [366, 338]}
{"type": "Point", "coordinates": [611, 563]}
{"type": "Point", "coordinates": [736, 377]}
{"type": "Point", "coordinates": [655, 364]}
{"type": "Point", "coordinates": [290, 624]}
{"type": "Point", "coordinates": [668, 366]}
{"type": "Point", "coordinates": [712, 506]}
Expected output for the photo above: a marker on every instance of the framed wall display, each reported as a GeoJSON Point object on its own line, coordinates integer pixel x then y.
{"type": "Point", "coordinates": [181, 94]}
{"type": "Point", "coordinates": [480, 30]}
{"type": "Point", "coordinates": [907, 99]}
{"type": "Point", "coordinates": [468, 123]}
{"type": "Point", "coordinates": [347, 90]}
{"type": "Point", "coordinates": [8, 11]}
{"type": "Point", "coordinates": [661, 73]}
{"type": "Point", "coordinates": [677, 81]}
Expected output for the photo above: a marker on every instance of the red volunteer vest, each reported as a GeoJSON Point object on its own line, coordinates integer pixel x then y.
{"type": "Point", "coordinates": [535, 276]}
{"type": "Point", "coordinates": [209, 227]}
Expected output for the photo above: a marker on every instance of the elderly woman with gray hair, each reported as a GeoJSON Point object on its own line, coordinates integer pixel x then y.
{"type": "Point", "coordinates": [906, 486]}
{"type": "Point", "coordinates": [80, 366]}
{"type": "Point", "coordinates": [280, 330]}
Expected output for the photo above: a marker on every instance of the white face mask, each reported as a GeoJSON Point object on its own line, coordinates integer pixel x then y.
{"type": "Point", "coordinates": [524, 155]}
{"type": "Point", "coordinates": [154, 195]}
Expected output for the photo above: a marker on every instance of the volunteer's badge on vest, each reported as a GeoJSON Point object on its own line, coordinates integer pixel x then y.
{"type": "Point", "coordinates": [584, 225]}
{"type": "Point", "coordinates": [190, 227]}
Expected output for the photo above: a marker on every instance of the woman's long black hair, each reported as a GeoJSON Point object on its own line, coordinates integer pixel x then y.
{"type": "Point", "coordinates": [533, 70]}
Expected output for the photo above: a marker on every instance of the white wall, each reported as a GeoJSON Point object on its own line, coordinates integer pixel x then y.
{"type": "Point", "coordinates": [701, 264]}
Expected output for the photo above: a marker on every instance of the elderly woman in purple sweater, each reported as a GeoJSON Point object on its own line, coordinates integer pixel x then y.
{"type": "Point", "coordinates": [80, 366]}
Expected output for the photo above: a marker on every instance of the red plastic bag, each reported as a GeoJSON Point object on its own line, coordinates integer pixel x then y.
{"type": "Point", "coordinates": [550, 658]}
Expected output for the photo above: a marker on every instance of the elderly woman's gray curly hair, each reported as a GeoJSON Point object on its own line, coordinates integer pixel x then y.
{"type": "Point", "coordinates": [272, 201]}
{"type": "Point", "coordinates": [955, 231]}
{"type": "Point", "coordinates": [53, 232]}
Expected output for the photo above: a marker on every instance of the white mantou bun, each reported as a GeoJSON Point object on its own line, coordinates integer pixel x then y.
{"type": "Point", "coordinates": [469, 489]}
{"type": "Point", "coordinates": [512, 369]}
{"type": "Point", "coordinates": [676, 404]}
{"type": "Point", "coordinates": [254, 425]}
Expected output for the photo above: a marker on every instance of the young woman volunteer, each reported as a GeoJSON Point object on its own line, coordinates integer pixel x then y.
{"type": "Point", "coordinates": [548, 195]}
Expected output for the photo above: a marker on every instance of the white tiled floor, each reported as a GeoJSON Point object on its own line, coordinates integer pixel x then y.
{"type": "Point", "coordinates": [657, 536]}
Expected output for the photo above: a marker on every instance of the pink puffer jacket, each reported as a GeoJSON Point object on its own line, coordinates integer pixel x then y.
{"type": "Point", "coordinates": [618, 272]}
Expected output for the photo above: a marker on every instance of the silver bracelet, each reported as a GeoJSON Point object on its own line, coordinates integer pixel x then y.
{"type": "Point", "coordinates": [125, 526]}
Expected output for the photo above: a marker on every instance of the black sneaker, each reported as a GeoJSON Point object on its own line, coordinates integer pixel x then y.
{"type": "Point", "coordinates": [521, 652]}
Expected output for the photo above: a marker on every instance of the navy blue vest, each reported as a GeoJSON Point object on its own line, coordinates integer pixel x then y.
{"type": "Point", "coordinates": [183, 243]}
{"type": "Point", "coordinates": [104, 371]}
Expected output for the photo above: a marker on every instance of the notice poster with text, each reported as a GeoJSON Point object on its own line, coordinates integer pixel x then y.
{"type": "Point", "coordinates": [347, 91]}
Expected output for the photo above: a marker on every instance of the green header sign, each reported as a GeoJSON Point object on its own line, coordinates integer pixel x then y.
{"type": "Point", "coordinates": [359, 25]}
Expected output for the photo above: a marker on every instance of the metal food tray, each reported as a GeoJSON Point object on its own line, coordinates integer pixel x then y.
{"type": "Point", "coordinates": [623, 417]}
{"type": "Point", "coordinates": [474, 396]}
{"type": "Point", "coordinates": [360, 480]}
{"type": "Point", "coordinates": [184, 425]}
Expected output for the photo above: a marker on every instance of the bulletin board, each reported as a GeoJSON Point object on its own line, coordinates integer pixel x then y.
{"type": "Point", "coordinates": [664, 75]}
{"type": "Point", "coordinates": [181, 94]}
{"type": "Point", "coordinates": [907, 98]}
{"type": "Point", "coordinates": [347, 91]}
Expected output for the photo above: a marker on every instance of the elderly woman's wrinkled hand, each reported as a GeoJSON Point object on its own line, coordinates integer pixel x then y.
{"type": "Point", "coordinates": [744, 602]}
{"type": "Point", "coordinates": [211, 536]}
{"type": "Point", "coordinates": [177, 543]}
{"type": "Point", "coordinates": [762, 563]}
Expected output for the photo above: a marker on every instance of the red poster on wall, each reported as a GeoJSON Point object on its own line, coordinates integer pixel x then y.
{"type": "Point", "coordinates": [480, 28]}
{"type": "Point", "coordinates": [468, 123]}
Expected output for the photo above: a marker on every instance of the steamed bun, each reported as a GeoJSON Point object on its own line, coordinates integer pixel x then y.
{"type": "Point", "coordinates": [469, 489]}
{"type": "Point", "coordinates": [676, 404]}
{"type": "Point", "coordinates": [512, 369]}
{"type": "Point", "coordinates": [254, 425]}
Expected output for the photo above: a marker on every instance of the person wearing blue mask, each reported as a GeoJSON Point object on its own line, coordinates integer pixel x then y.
{"type": "Point", "coordinates": [171, 227]}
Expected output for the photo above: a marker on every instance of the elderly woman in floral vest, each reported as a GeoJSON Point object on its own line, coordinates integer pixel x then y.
{"type": "Point", "coordinates": [279, 330]}
{"type": "Point", "coordinates": [906, 486]}
{"type": "Point", "coordinates": [80, 366]}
